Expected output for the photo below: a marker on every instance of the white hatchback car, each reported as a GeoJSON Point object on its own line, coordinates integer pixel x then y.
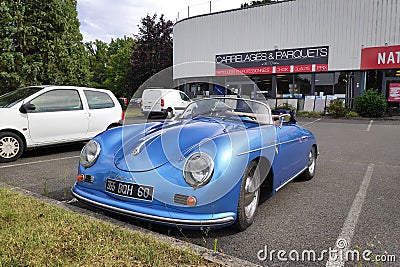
{"type": "Point", "coordinates": [47, 115]}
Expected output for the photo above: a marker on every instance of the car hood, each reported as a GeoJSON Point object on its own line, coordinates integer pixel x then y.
{"type": "Point", "coordinates": [167, 141]}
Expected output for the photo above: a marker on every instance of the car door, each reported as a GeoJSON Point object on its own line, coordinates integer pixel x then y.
{"type": "Point", "coordinates": [291, 152]}
{"type": "Point", "coordinates": [182, 102]}
{"type": "Point", "coordinates": [58, 116]}
{"type": "Point", "coordinates": [102, 111]}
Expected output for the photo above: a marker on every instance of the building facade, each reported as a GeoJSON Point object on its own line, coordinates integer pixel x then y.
{"type": "Point", "coordinates": [298, 49]}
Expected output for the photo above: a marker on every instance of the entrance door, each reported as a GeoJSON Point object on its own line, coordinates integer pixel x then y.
{"type": "Point", "coordinates": [392, 95]}
{"type": "Point", "coordinates": [243, 89]}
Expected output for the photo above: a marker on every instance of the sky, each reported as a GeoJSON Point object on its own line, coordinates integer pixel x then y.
{"type": "Point", "coordinates": [107, 19]}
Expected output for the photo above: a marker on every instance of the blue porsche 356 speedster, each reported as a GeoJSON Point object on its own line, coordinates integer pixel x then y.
{"type": "Point", "coordinates": [201, 170]}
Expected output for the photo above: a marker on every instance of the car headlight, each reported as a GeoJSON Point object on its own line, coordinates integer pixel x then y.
{"type": "Point", "coordinates": [198, 169]}
{"type": "Point", "coordinates": [89, 154]}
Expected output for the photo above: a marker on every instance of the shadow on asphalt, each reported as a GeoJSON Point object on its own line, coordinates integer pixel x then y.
{"type": "Point", "coordinates": [197, 237]}
{"type": "Point", "coordinates": [57, 149]}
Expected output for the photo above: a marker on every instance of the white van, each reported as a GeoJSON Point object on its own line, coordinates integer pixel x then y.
{"type": "Point", "coordinates": [47, 115]}
{"type": "Point", "coordinates": [166, 102]}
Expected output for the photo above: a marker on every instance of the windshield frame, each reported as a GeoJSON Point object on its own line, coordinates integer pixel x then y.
{"type": "Point", "coordinates": [229, 112]}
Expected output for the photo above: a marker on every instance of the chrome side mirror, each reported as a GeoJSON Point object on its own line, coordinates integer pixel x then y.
{"type": "Point", "coordinates": [284, 118]}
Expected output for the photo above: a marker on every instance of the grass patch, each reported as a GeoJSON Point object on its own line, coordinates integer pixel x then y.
{"type": "Point", "coordinates": [33, 233]}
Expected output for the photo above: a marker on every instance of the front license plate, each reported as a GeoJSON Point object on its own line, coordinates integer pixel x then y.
{"type": "Point", "coordinates": [137, 191]}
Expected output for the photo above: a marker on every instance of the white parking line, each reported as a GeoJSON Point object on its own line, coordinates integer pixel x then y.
{"type": "Point", "coordinates": [311, 122]}
{"type": "Point", "coordinates": [344, 240]}
{"type": "Point", "coordinates": [35, 162]}
{"type": "Point", "coordinates": [369, 125]}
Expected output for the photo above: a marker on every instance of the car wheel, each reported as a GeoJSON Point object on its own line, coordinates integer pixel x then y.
{"type": "Point", "coordinates": [11, 147]}
{"type": "Point", "coordinates": [249, 196]}
{"type": "Point", "coordinates": [170, 113]}
{"type": "Point", "coordinates": [308, 174]}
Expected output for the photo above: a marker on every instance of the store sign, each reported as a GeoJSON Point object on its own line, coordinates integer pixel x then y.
{"type": "Point", "coordinates": [309, 59]}
{"type": "Point", "coordinates": [394, 92]}
{"type": "Point", "coordinates": [383, 57]}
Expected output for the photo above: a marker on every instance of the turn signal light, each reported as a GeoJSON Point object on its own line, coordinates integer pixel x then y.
{"type": "Point", "coordinates": [85, 178]}
{"type": "Point", "coordinates": [191, 201]}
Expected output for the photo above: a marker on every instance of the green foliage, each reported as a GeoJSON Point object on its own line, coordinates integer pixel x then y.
{"type": "Point", "coordinates": [351, 114]}
{"type": "Point", "coordinates": [310, 114]}
{"type": "Point", "coordinates": [110, 65]}
{"type": "Point", "coordinates": [41, 44]}
{"type": "Point", "coordinates": [337, 108]}
{"type": "Point", "coordinates": [98, 58]}
{"type": "Point", "coordinates": [118, 67]}
{"type": "Point", "coordinates": [371, 104]}
{"type": "Point", "coordinates": [256, 3]}
{"type": "Point", "coordinates": [153, 50]}
{"type": "Point", "coordinates": [286, 106]}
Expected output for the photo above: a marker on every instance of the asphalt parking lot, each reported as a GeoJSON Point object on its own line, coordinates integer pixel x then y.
{"type": "Point", "coordinates": [354, 196]}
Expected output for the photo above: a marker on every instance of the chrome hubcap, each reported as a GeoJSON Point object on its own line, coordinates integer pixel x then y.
{"type": "Point", "coordinates": [251, 197]}
{"type": "Point", "coordinates": [9, 147]}
{"type": "Point", "coordinates": [311, 160]}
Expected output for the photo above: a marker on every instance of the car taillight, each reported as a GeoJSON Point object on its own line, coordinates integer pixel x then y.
{"type": "Point", "coordinates": [122, 115]}
{"type": "Point", "coordinates": [162, 102]}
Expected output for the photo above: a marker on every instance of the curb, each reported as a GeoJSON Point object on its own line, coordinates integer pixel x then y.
{"type": "Point", "coordinates": [210, 255]}
{"type": "Point", "coordinates": [393, 118]}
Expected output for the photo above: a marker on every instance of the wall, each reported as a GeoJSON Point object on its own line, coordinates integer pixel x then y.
{"type": "Point", "coordinates": [344, 25]}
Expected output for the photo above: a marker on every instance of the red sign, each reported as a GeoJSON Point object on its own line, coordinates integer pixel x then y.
{"type": "Point", "coordinates": [394, 92]}
{"type": "Point", "coordinates": [243, 71]}
{"type": "Point", "coordinates": [293, 60]}
{"type": "Point", "coordinates": [303, 68]}
{"type": "Point", "coordinates": [282, 69]}
{"type": "Point", "coordinates": [321, 67]}
{"type": "Point", "coordinates": [383, 57]}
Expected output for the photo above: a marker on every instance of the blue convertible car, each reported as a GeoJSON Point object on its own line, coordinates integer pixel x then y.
{"type": "Point", "coordinates": [201, 170]}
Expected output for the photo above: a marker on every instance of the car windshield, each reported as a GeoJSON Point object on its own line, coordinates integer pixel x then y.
{"type": "Point", "coordinates": [11, 99]}
{"type": "Point", "coordinates": [229, 108]}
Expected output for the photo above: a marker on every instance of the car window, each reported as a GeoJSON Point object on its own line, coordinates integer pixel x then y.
{"type": "Point", "coordinates": [184, 97]}
{"type": "Point", "coordinates": [98, 100]}
{"type": "Point", "coordinates": [57, 100]}
{"type": "Point", "coordinates": [14, 97]}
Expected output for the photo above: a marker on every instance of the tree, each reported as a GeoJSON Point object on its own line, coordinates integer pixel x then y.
{"type": "Point", "coordinates": [110, 64]}
{"type": "Point", "coordinates": [98, 59]}
{"type": "Point", "coordinates": [153, 50]}
{"type": "Point", "coordinates": [41, 44]}
{"type": "Point", "coordinates": [118, 66]}
{"type": "Point", "coordinates": [11, 60]}
{"type": "Point", "coordinates": [257, 3]}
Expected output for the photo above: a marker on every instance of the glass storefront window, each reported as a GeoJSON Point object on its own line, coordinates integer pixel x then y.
{"type": "Point", "coordinates": [284, 85]}
{"type": "Point", "coordinates": [342, 80]}
{"type": "Point", "coordinates": [265, 87]}
{"type": "Point", "coordinates": [324, 83]}
{"type": "Point", "coordinates": [374, 79]}
{"type": "Point", "coordinates": [302, 85]}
